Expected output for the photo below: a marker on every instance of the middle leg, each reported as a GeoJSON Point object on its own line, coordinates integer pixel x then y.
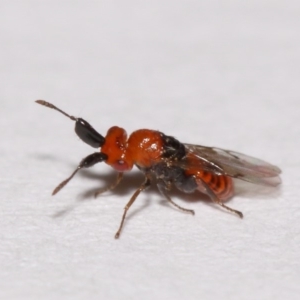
{"type": "Point", "coordinates": [163, 187]}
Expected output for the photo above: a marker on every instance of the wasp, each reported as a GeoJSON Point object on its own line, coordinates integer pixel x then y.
{"type": "Point", "coordinates": [168, 162]}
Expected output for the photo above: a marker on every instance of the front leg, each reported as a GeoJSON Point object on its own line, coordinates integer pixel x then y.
{"type": "Point", "coordinates": [146, 184]}
{"type": "Point", "coordinates": [111, 186]}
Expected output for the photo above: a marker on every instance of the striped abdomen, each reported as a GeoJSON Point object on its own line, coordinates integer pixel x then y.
{"type": "Point", "coordinates": [221, 185]}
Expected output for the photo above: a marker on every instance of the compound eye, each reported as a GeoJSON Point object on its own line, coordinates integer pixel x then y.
{"type": "Point", "coordinates": [88, 134]}
{"type": "Point", "coordinates": [121, 166]}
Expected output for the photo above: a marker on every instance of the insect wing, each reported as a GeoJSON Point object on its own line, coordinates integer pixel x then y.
{"type": "Point", "coordinates": [230, 163]}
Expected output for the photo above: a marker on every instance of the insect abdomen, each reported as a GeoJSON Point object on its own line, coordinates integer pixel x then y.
{"type": "Point", "coordinates": [221, 185]}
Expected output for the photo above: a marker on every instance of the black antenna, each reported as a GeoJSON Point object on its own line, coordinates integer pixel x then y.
{"type": "Point", "coordinates": [82, 128]}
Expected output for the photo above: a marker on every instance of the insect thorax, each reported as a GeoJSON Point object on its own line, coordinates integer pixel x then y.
{"type": "Point", "coordinates": [174, 151]}
{"type": "Point", "coordinates": [172, 148]}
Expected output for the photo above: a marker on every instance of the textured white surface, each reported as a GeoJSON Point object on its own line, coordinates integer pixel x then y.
{"type": "Point", "coordinates": [208, 72]}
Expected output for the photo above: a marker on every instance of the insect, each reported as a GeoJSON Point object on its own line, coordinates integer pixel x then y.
{"type": "Point", "coordinates": [171, 163]}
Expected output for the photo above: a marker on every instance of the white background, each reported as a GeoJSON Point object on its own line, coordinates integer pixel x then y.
{"type": "Point", "coordinates": [222, 73]}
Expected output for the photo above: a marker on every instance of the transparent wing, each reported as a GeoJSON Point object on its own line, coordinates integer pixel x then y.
{"type": "Point", "coordinates": [230, 163]}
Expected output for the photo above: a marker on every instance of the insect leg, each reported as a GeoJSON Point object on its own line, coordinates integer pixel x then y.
{"type": "Point", "coordinates": [146, 184]}
{"type": "Point", "coordinates": [111, 186]}
{"type": "Point", "coordinates": [163, 190]}
{"type": "Point", "coordinates": [215, 199]}
{"type": "Point", "coordinates": [87, 162]}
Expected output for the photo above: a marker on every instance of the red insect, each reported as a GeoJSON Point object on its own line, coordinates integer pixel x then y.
{"type": "Point", "coordinates": [185, 166]}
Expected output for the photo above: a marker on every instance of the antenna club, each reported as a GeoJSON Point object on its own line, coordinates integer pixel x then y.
{"type": "Point", "coordinates": [45, 103]}
{"type": "Point", "coordinates": [50, 105]}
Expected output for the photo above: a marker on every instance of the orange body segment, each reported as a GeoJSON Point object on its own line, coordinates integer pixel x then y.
{"type": "Point", "coordinates": [221, 185]}
{"type": "Point", "coordinates": [115, 147]}
{"type": "Point", "coordinates": [145, 147]}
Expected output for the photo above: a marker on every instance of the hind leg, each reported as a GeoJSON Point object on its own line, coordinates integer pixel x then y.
{"type": "Point", "coordinates": [204, 188]}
